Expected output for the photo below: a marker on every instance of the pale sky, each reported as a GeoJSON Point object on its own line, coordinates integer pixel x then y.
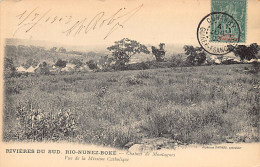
{"type": "Point", "coordinates": [153, 22]}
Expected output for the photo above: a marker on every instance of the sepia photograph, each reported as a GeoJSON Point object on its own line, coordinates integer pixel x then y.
{"type": "Point", "coordinates": [130, 83]}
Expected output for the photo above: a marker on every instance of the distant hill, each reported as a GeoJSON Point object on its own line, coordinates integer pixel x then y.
{"type": "Point", "coordinates": [49, 44]}
{"type": "Point", "coordinates": [21, 50]}
{"type": "Point", "coordinates": [40, 50]}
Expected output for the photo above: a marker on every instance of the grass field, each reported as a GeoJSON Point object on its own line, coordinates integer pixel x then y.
{"type": "Point", "coordinates": [205, 104]}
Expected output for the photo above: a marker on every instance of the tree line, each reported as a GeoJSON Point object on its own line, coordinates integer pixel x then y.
{"type": "Point", "coordinates": [121, 53]}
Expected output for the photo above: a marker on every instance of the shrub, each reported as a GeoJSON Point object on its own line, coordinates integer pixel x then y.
{"type": "Point", "coordinates": [118, 136]}
{"type": "Point", "coordinates": [190, 105]}
{"type": "Point", "coordinates": [137, 66]}
{"type": "Point", "coordinates": [196, 56]}
{"type": "Point", "coordinates": [60, 63]}
{"type": "Point", "coordinates": [12, 89]}
{"type": "Point", "coordinates": [102, 91]}
{"type": "Point", "coordinates": [92, 65]}
{"type": "Point", "coordinates": [9, 69]}
{"type": "Point", "coordinates": [36, 125]}
{"type": "Point", "coordinates": [255, 68]}
{"type": "Point", "coordinates": [104, 63]}
{"type": "Point", "coordinates": [186, 127]}
{"type": "Point", "coordinates": [176, 61]}
{"type": "Point", "coordinates": [43, 69]}
{"type": "Point", "coordinates": [71, 79]}
{"type": "Point", "coordinates": [246, 52]}
{"type": "Point", "coordinates": [144, 75]}
{"type": "Point", "coordinates": [144, 66]}
{"type": "Point", "coordinates": [133, 81]}
{"type": "Point", "coordinates": [112, 80]}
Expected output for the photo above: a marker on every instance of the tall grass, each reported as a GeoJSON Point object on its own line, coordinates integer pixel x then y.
{"type": "Point", "coordinates": [188, 104]}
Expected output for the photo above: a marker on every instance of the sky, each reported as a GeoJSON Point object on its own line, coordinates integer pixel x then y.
{"type": "Point", "coordinates": [88, 22]}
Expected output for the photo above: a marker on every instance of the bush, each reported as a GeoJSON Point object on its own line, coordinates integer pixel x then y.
{"type": "Point", "coordinates": [255, 68]}
{"type": "Point", "coordinates": [144, 75]}
{"type": "Point", "coordinates": [144, 66]}
{"type": "Point", "coordinates": [60, 63]}
{"type": "Point", "coordinates": [227, 62]}
{"type": "Point", "coordinates": [112, 80]}
{"type": "Point", "coordinates": [36, 125]}
{"type": "Point", "coordinates": [133, 81]}
{"type": "Point", "coordinates": [186, 127]}
{"type": "Point", "coordinates": [196, 56]}
{"type": "Point", "coordinates": [9, 69]}
{"type": "Point", "coordinates": [188, 104]}
{"type": "Point", "coordinates": [12, 89]}
{"type": "Point", "coordinates": [177, 61]}
{"type": "Point", "coordinates": [43, 69]}
{"type": "Point", "coordinates": [92, 65]}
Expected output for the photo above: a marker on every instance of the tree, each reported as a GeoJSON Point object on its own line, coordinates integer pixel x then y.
{"type": "Point", "coordinates": [76, 62]}
{"type": "Point", "coordinates": [104, 63]}
{"type": "Point", "coordinates": [92, 64]}
{"type": "Point", "coordinates": [9, 68]}
{"type": "Point", "coordinates": [60, 63]}
{"type": "Point", "coordinates": [11, 51]}
{"type": "Point", "coordinates": [43, 69]}
{"type": "Point", "coordinates": [31, 62]}
{"type": "Point", "coordinates": [176, 61]}
{"type": "Point", "coordinates": [53, 49]}
{"type": "Point", "coordinates": [196, 56]}
{"type": "Point", "coordinates": [246, 52]}
{"type": "Point", "coordinates": [159, 53]}
{"type": "Point", "coordinates": [124, 49]}
{"type": "Point", "coordinates": [62, 50]}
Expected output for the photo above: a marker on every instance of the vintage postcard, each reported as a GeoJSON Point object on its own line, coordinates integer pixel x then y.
{"type": "Point", "coordinates": [130, 83]}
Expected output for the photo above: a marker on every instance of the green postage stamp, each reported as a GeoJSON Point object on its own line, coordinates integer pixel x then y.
{"type": "Point", "coordinates": [236, 9]}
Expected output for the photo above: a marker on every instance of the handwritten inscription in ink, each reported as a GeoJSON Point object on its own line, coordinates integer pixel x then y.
{"type": "Point", "coordinates": [30, 19]}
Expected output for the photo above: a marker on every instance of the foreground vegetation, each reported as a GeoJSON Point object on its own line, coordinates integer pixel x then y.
{"type": "Point", "coordinates": [203, 104]}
